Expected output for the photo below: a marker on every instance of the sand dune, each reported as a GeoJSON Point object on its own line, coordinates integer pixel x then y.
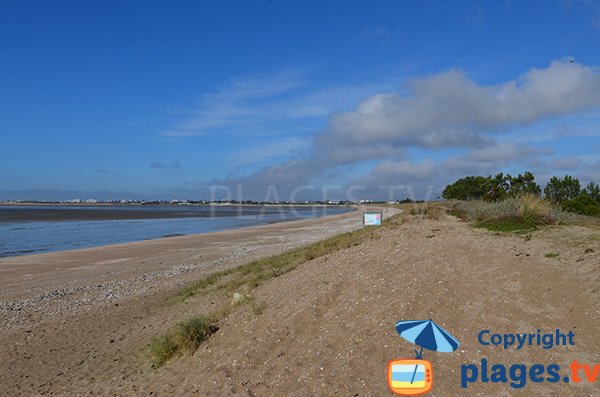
{"type": "Point", "coordinates": [327, 327]}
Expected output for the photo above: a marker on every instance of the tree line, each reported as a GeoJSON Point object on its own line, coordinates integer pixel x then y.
{"type": "Point", "coordinates": [565, 192]}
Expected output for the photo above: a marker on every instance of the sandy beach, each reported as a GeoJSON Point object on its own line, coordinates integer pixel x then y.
{"type": "Point", "coordinates": [41, 293]}
{"type": "Point", "coordinates": [76, 323]}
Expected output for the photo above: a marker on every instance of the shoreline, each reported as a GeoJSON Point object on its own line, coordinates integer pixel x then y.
{"type": "Point", "coordinates": [77, 318]}
{"type": "Point", "coordinates": [26, 276]}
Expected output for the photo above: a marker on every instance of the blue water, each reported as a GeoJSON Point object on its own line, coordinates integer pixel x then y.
{"type": "Point", "coordinates": [29, 237]}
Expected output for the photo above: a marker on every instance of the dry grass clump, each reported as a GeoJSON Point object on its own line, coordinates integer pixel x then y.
{"type": "Point", "coordinates": [533, 208]}
{"type": "Point", "coordinates": [515, 213]}
{"type": "Point", "coordinates": [433, 211]}
{"type": "Point", "coordinates": [394, 221]}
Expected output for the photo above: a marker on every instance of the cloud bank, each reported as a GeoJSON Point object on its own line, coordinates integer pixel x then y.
{"type": "Point", "coordinates": [441, 111]}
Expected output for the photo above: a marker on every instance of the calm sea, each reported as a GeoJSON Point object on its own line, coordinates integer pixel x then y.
{"type": "Point", "coordinates": [35, 229]}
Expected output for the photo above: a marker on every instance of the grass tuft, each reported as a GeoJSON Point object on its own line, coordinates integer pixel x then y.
{"type": "Point", "coordinates": [534, 209]}
{"type": "Point", "coordinates": [190, 333]}
{"type": "Point", "coordinates": [185, 337]}
{"type": "Point", "coordinates": [161, 349]}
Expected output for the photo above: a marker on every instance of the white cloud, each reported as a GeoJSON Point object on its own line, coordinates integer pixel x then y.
{"type": "Point", "coordinates": [448, 109]}
{"type": "Point", "coordinates": [445, 110]}
{"type": "Point", "coordinates": [233, 104]}
{"type": "Point", "coordinates": [258, 105]}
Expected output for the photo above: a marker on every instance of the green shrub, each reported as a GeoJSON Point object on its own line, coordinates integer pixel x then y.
{"type": "Point", "coordinates": [583, 204]}
{"type": "Point", "coordinates": [593, 190]}
{"type": "Point", "coordinates": [468, 188]}
{"type": "Point", "coordinates": [507, 225]}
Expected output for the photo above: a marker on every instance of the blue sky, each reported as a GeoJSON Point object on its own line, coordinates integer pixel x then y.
{"type": "Point", "coordinates": [166, 99]}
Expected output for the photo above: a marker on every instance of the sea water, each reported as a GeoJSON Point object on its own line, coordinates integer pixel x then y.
{"type": "Point", "coordinates": [22, 234]}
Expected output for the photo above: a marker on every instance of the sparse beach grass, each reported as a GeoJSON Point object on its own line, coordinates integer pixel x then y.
{"type": "Point", "coordinates": [254, 273]}
{"type": "Point", "coordinates": [187, 335]}
{"type": "Point", "coordinates": [161, 349]}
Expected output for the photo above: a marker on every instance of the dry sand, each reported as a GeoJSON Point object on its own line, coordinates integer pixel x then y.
{"type": "Point", "coordinates": [327, 328]}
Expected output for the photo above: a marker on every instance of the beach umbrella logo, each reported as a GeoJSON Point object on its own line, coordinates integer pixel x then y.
{"type": "Point", "coordinates": [412, 377]}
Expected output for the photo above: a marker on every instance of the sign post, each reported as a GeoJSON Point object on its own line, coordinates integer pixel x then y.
{"type": "Point", "coordinates": [372, 218]}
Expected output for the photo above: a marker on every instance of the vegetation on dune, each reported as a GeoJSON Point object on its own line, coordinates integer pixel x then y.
{"type": "Point", "coordinates": [584, 205]}
{"type": "Point", "coordinates": [565, 193]}
{"type": "Point", "coordinates": [501, 203]}
{"type": "Point", "coordinates": [521, 213]}
{"type": "Point", "coordinates": [432, 211]}
{"type": "Point", "coordinates": [188, 335]}
{"type": "Point", "coordinates": [254, 273]}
